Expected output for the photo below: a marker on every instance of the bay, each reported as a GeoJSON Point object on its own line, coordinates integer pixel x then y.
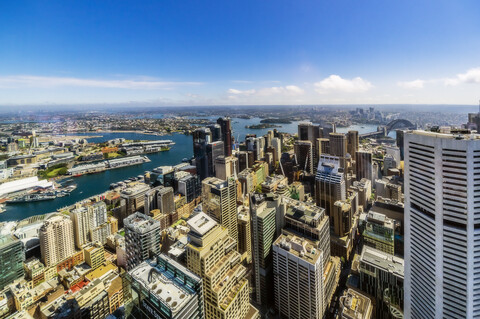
{"type": "Point", "coordinates": [90, 185]}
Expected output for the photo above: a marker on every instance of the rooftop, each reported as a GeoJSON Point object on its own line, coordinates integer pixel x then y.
{"type": "Point", "coordinates": [215, 182]}
{"type": "Point", "coordinates": [467, 135]}
{"type": "Point", "coordinates": [379, 218]}
{"type": "Point", "coordinates": [299, 246]}
{"type": "Point", "coordinates": [139, 222]}
{"type": "Point", "coordinates": [101, 271]}
{"type": "Point", "coordinates": [4, 240]}
{"type": "Point", "coordinates": [355, 305]}
{"type": "Point", "coordinates": [162, 284]}
{"type": "Point", "coordinates": [136, 189]}
{"type": "Point", "coordinates": [201, 223]}
{"type": "Point", "coordinates": [303, 212]}
{"type": "Point", "coordinates": [381, 260]}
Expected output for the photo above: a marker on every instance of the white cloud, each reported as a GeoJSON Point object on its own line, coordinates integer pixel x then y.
{"type": "Point", "coordinates": [293, 89]}
{"type": "Point", "coordinates": [32, 81]}
{"type": "Point", "coordinates": [241, 92]}
{"type": "Point", "coordinates": [289, 90]}
{"type": "Point", "coordinates": [415, 84]}
{"type": "Point", "coordinates": [471, 76]}
{"type": "Point", "coordinates": [336, 83]}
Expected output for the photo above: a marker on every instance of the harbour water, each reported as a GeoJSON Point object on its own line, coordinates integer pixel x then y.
{"type": "Point", "coordinates": [89, 185]}
{"type": "Point", "coordinates": [239, 130]}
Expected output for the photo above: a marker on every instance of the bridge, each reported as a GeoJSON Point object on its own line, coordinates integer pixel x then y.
{"type": "Point", "coordinates": [384, 130]}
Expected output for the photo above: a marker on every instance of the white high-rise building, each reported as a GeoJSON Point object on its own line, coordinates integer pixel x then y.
{"type": "Point", "coordinates": [56, 240]}
{"type": "Point", "coordinates": [298, 278]}
{"type": "Point", "coordinates": [277, 145]}
{"type": "Point", "coordinates": [442, 225]}
{"type": "Point", "coordinates": [87, 219]}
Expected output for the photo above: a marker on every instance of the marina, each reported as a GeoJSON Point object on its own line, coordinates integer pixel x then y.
{"type": "Point", "coordinates": [92, 184]}
{"type": "Point", "coordinates": [105, 165]}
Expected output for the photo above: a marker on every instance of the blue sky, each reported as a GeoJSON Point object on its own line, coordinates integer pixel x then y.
{"type": "Point", "coordinates": [239, 52]}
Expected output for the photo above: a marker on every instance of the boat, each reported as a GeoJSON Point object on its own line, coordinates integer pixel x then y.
{"type": "Point", "coordinates": [70, 188]}
{"type": "Point", "coordinates": [2, 208]}
{"type": "Point", "coordinates": [31, 198]}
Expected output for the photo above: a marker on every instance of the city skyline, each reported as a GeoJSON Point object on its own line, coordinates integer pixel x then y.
{"type": "Point", "coordinates": [239, 53]}
{"type": "Point", "coordinates": [239, 159]}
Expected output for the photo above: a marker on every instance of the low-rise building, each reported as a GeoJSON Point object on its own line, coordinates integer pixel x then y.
{"type": "Point", "coordinates": [162, 288]}
{"type": "Point", "coordinates": [381, 276]}
{"type": "Point", "coordinates": [354, 305]}
{"type": "Point", "coordinates": [378, 231]}
{"type": "Point", "coordinates": [94, 255]}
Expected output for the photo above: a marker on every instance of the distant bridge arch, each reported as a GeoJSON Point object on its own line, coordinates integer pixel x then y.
{"type": "Point", "coordinates": [400, 123]}
{"type": "Point", "coordinates": [383, 130]}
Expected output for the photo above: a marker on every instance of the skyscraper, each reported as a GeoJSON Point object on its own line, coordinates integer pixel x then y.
{"type": "Point", "coordinates": [277, 145]}
{"type": "Point", "coordinates": [201, 138]}
{"type": "Point", "coordinates": [11, 260]}
{"type": "Point", "coordinates": [330, 184]}
{"type": "Point", "coordinates": [151, 200]}
{"type": "Point", "coordinates": [189, 186]}
{"type": "Point", "coordinates": [298, 278]}
{"type": "Point", "coordinates": [363, 165]}
{"type": "Point", "coordinates": [226, 126]}
{"type": "Point", "coordinates": [441, 225]}
{"type": "Point", "coordinates": [226, 167]}
{"type": "Point", "coordinates": [304, 153]}
{"type": "Point", "coordinates": [264, 214]}
{"type": "Point", "coordinates": [86, 219]}
{"type": "Point", "coordinates": [216, 131]}
{"type": "Point", "coordinates": [242, 160]}
{"type": "Point", "coordinates": [244, 234]}
{"type": "Point", "coordinates": [322, 146]}
{"type": "Point", "coordinates": [165, 200]}
{"type": "Point", "coordinates": [257, 146]}
{"type": "Point", "coordinates": [142, 238]}
{"type": "Point", "coordinates": [342, 218]}
{"type": "Point", "coordinates": [219, 199]}
{"type": "Point", "coordinates": [353, 142]}
{"type": "Point", "coordinates": [308, 132]}
{"type": "Point", "coordinates": [212, 255]}
{"type": "Point", "coordinates": [56, 240]}
{"type": "Point", "coordinates": [134, 199]}
{"type": "Point", "coordinates": [214, 151]}
{"type": "Point", "coordinates": [399, 142]}
{"type": "Point", "coordinates": [338, 144]}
